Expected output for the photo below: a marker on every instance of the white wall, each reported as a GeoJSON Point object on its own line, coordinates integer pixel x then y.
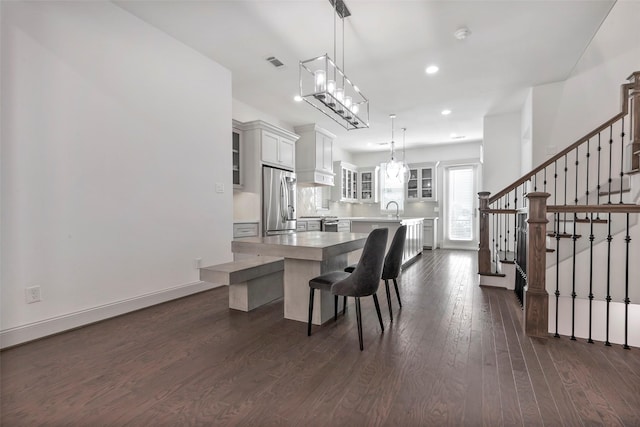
{"type": "Point", "coordinates": [591, 95]}
{"type": "Point", "coordinates": [245, 113]}
{"type": "Point", "coordinates": [501, 151]}
{"type": "Point", "coordinates": [113, 136]}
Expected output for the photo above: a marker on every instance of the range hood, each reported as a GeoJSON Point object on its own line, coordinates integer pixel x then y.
{"type": "Point", "coordinates": [314, 156]}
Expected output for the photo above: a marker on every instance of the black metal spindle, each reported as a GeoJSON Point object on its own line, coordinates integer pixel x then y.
{"type": "Point", "coordinates": [500, 228]}
{"type": "Point", "coordinates": [621, 160]}
{"type": "Point", "coordinates": [598, 181]}
{"type": "Point", "coordinates": [495, 251]}
{"type": "Point", "coordinates": [564, 219]}
{"type": "Point", "coordinates": [627, 240]}
{"type": "Point", "coordinates": [506, 239]}
{"type": "Point", "coordinates": [555, 182]}
{"type": "Point", "coordinates": [608, 298]}
{"type": "Point", "coordinates": [574, 237]}
{"type": "Point", "coordinates": [575, 200]}
{"type": "Point", "coordinates": [610, 163]}
{"type": "Point", "coordinates": [591, 239]}
{"type": "Point", "coordinates": [545, 180]}
{"type": "Point", "coordinates": [535, 182]}
{"type": "Point", "coordinates": [587, 185]}
{"type": "Point", "coordinates": [556, 221]}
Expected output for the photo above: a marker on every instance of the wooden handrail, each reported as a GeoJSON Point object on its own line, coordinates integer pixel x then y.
{"type": "Point", "coordinates": [558, 156]}
{"type": "Point", "coordinates": [625, 88]}
{"type": "Point", "coordinates": [608, 208]}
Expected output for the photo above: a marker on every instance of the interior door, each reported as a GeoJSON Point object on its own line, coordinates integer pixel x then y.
{"type": "Point", "coordinates": [460, 222]}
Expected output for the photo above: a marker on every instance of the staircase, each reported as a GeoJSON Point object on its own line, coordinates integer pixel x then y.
{"type": "Point", "coordinates": [565, 236]}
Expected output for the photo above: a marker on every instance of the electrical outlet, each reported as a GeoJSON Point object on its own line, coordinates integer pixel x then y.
{"type": "Point", "coordinates": [219, 187]}
{"type": "Point", "coordinates": [436, 209]}
{"type": "Point", "coordinates": [32, 294]}
{"type": "Point", "coordinates": [198, 263]}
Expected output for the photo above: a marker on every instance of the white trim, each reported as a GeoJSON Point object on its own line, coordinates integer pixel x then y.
{"type": "Point", "coordinates": [21, 334]}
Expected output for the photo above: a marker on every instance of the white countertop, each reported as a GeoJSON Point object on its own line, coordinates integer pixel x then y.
{"type": "Point", "coordinates": [386, 218]}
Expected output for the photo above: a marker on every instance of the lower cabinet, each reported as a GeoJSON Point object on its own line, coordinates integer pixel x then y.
{"type": "Point", "coordinates": [430, 233]}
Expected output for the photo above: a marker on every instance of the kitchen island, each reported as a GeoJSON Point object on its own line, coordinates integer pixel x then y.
{"type": "Point", "coordinates": [414, 242]}
{"type": "Point", "coordinates": [306, 255]}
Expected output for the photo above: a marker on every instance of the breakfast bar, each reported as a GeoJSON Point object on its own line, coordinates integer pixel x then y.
{"type": "Point", "coordinates": [306, 255]}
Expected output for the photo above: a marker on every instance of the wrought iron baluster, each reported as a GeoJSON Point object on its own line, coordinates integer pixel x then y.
{"type": "Point", "coordinates": [574, 237]}
{"type": "Point", "coordinates": [545, 180]}
{"type": "Point", "coordinates": [587, 185]}
{"type": "Point", "coordinates": [564, 219]}
{"type": "Point", "coordinates": [500, 227]}
{"type": "Point", "coordinates": [556, 221]}
{"type": "Point", "coordinates": [627, 240]}
{"type": "Point", "coordinates": [598, 182]}
{"type": "Point", "coordinates": [608, 298]}
{"type": "Point", "coordinates": [621, 160]}
{"type": "Point", "coordinates": [610, 163]}
{"type": "Point", "coordinates": [591, 239]}
{"type": "Point", "coordinates": [506, 238]}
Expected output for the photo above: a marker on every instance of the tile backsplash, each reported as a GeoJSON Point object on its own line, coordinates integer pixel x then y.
{"type": "Point", "coordinates": [315, 201]}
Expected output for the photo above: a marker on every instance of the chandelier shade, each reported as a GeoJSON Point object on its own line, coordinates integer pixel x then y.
{"type": "Point", "coordinates": [325, 87]}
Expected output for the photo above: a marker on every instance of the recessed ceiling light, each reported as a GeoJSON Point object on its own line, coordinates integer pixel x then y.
{"type": "Point", "coordinates": [297, 98]}
{"type": "Point", "coordinates": [445, 112]}
{"type": "Point", "coordinates": [432, 69]}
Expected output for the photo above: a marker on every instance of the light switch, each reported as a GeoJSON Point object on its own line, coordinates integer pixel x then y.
{"type": "Point", "coordinates": [219, 187]}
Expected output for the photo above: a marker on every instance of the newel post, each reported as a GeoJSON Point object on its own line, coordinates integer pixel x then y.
{"type": "Point", "coordinates": [536, 300]}
{"type": "Point", "coordinates": [634, 138]}
{"type": "Point", "coordinates": [484, 252]}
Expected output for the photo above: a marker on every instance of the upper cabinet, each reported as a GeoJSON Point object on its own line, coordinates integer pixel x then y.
{"type": "Point", "coordinates": [421, 185]}
{"type": "Point", "coordinates": [314, 155]}
{"type": "Point", "coordinates": [368, 185]}
{"type": "Point", "coordinates": [237, 136]}
{"type": "Point", "coordinates": [276, 145]}
{"type": "Point", "coordinates": [346, 188]}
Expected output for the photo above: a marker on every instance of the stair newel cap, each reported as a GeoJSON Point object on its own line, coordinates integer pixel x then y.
{"type": "Point", "coordinates": [538, 194]}
{"type": "Point", "coordinates": [634, 77]}
{"type": "Point", "coordinates": [484, 194]}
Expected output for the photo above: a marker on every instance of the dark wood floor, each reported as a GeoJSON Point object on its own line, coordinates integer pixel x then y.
{"type": "Point", "coordinates": [454, 355]}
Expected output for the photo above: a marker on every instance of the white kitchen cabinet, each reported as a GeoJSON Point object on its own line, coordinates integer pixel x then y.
{"type": "Point", "coordinates": [368, 185]}
{"type": "Point", "coordinates": [346, 188]}
{"type": "Point", "coordinates": [245, 229]}
{"type": "Point", "coordinates": [430, 226]}
{"type": "Point", "coordinates": [314, 155]}
{"type": "Point", "coordinates": [277, 150]}
{"type": "Point", "coordinates": [275, 145]}
{"type": "Point", "coordinates": [421, 185]}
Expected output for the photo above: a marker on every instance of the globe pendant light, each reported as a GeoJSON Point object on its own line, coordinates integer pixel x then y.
{"type": "Point", "coordinates": [394, 167]}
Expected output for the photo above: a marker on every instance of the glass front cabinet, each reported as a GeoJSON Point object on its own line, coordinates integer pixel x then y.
{"type": "Point", "coordinates": [368, 187]}
{"type": "Point", "coordinates": [421, 185]}
{"type": "Point", "coordinates": [236, 150]}
{"type": "Point", "coordinates": [346, 188]}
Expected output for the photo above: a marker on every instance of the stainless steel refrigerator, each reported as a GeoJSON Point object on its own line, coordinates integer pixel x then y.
{"type": "Point", "coordinates": [278, 201]}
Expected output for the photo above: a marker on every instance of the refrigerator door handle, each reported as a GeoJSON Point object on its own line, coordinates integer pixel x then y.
{"type": "Point", "coordinates": [283, 200]}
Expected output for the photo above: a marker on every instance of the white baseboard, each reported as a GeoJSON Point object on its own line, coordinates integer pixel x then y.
{"type": "Point", "coordinates": [54, 325]}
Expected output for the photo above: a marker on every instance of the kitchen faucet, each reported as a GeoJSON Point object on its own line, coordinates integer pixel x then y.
{"type": "Point", "coordinates": [397, 207]}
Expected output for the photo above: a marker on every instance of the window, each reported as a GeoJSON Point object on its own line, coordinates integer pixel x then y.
{"type": "Point", "coordinates": [460, 203]}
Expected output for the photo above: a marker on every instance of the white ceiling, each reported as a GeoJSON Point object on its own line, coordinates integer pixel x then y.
{"type": "Point", "coordinates": [388, 44]}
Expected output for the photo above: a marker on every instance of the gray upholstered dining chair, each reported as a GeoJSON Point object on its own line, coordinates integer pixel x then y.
{"type": "Point", "coordinates": [392, 265]}
{"type": "Point", "coordinates": [362, 282]}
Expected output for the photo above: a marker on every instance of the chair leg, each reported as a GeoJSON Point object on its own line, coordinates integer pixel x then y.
{"type": "Point", "coordinates": [310, 311]}
{"type": "Point", "coordinates": [375, 301]}
{"type": "Point", "coordinates": [344, 305]}
{"type": "Point", "coordinates": [359, 320]}
{"type": "Point", "coordinates": [335, 308]}
{"type": "Point", "coordinates": [386, 286]}
{"type": "Point", "coordinates": [397, 291]}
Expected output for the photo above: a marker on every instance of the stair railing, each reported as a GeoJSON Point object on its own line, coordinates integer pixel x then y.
{"type": "Point", "coordinates": [586, 179]}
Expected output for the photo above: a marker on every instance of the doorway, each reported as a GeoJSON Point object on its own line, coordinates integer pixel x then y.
{"type": "Point", "coordinates": [460, 224]}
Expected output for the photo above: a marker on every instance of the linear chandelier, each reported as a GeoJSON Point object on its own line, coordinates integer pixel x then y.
{"type": "Point", "coordinates": [326, 87]}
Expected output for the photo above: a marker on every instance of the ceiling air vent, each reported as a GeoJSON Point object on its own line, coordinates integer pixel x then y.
{"type": "Point", "coordinates": [275, 61]}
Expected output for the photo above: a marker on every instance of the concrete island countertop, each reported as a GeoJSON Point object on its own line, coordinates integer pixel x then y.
{"type": "Point", "coordinates": [403, 220]}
